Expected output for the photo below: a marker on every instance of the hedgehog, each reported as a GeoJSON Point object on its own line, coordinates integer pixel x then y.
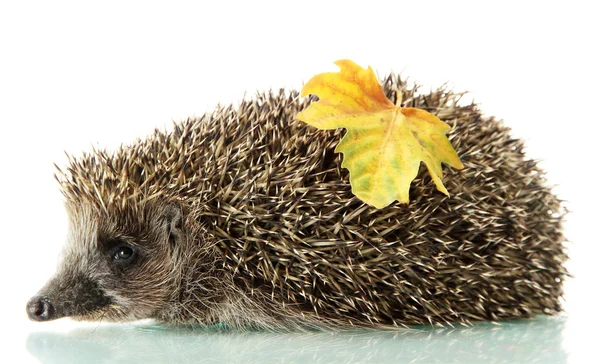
{"type": "Point", "coordinates": [244, 217]}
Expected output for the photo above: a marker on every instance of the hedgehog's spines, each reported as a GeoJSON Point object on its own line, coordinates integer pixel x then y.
{"type": "Point", "coordinates": [270, 199]}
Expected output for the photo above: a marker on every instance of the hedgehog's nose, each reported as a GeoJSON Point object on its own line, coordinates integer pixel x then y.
{"type": "Point", "coordinates": [39, 308]}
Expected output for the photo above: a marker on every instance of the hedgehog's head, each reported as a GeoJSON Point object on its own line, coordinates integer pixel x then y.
{"type": "Point", "coordinates": [124, 249]}
{"type": "Point", "coordinates": [117, 267]}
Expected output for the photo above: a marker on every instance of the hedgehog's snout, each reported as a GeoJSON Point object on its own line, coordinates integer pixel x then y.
{"type": "Point", "coordinates": [40, 308]}
{"type": "Point", "coordinates": [67, 294]}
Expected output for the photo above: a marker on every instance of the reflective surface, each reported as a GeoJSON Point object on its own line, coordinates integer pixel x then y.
{"type": "Point", "coordinates": [525, 341]}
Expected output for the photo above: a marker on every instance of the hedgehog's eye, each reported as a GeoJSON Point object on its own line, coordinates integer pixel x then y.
{"type": "Point", "coordinates": [124, 253]}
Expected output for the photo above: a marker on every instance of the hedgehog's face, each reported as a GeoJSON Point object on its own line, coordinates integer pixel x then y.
{"type": "Point", "coordinates": [113, 269]}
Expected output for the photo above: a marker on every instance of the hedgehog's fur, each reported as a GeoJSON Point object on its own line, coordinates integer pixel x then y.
{"type": "Point", "coordinates": [275, 238]}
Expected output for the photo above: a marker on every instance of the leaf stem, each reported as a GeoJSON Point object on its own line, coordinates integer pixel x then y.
{"type": "Point", "coordinates": [398, 98]}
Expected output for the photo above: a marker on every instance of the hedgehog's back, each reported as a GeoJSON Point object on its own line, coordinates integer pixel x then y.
{"type": "Point", "coordinates": [281, 209]}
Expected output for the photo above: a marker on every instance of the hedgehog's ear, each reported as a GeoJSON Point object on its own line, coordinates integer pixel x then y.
{"type": "Point", "coordinates": [174, 223]}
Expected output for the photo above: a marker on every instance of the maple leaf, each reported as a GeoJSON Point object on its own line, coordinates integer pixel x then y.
{"type": "Point", "coordinates": [384, 144]}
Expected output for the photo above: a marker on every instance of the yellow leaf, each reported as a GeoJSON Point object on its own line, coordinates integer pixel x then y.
{"type": "Point", "coordinates": [384, 145]}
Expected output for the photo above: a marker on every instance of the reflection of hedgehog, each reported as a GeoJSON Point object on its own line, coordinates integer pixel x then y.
{"type": "Point", "coordinates": [246, 217]}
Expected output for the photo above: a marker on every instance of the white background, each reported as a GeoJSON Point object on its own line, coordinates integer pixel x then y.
{"type": "Point", "coordinates": [75, 75]}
